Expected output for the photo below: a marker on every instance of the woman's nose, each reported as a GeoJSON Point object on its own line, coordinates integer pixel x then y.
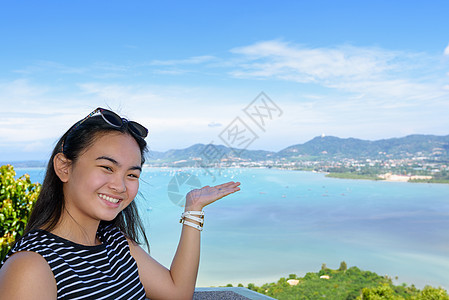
{"type": "Point", "coordinates": [118, 184]}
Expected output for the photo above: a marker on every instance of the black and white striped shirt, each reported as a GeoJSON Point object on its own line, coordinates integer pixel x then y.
{"type": "Point", "coordinates": [106, 271]}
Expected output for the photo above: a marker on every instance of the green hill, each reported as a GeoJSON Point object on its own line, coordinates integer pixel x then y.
{"type": "Point", "coordinates": [431, 147]}
{"type": "Point", "coordinates": [345, 283]}
{"type": "Point", "coordinates": [412, 145]}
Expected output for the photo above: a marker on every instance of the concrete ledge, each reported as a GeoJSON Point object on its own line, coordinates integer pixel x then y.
{"type": "Point", "coordinates": [227, 293]}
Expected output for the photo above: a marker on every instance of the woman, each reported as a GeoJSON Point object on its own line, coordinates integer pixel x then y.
{"type": "Point", "coordinates": [82, 241]}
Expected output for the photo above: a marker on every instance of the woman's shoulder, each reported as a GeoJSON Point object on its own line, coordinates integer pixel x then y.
{"type": "Point", "coordinates": [35, 241]}
{"type": "Point", "coordinates": [28, 260]}
{"type": "Point", "coordinates": [30, 248]}
{"type": "Point", "coordinates": [29, 274]}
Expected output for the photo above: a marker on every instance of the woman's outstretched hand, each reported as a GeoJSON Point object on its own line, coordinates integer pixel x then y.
{"type": "Point", "coordinates": [199, 198]}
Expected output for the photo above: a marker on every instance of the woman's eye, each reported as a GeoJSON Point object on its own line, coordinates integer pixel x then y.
{"type": "Point", "coordinates": [107, 168]}
{"type": "Point", "coordinates": [133, 176]}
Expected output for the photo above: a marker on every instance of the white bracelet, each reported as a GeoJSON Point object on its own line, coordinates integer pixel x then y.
{"type": "Point", "coordinates": [188, 216]}
{"type": "Point", "coordinates": [199, 220]}
{"type": "Point", "coordinates": [200, 228]}
{"type": "Point", "coordinates": [192, 216]}
{"type": "Point", "coordinates": [193, 212]}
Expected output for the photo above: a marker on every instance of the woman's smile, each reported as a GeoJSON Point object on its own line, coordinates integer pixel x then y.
{"type": "Point", "coordinates": [110, 199]}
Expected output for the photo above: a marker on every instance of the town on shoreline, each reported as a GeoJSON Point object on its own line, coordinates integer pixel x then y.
{"type": "Point", "coordinates": [403, 170]}
{"type": "Point", "coordinates": [414, 158]}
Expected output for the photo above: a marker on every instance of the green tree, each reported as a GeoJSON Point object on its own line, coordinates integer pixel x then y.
{"type": "Point", "coordinates": [430, 293]}
{"type": "Point", "coordinates": [382, 292]}
{"type": "Point", "coordinates": [17, 197]}
{"type": "Point", "coordinates": [343, 266]}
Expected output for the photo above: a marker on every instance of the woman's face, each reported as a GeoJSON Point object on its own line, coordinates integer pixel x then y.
{"type": "Point", "coordinates": [105, 178]}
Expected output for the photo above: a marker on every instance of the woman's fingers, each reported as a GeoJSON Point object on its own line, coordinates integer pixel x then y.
{"type": "Point", "coordinates": [230, 184]}
{"type": "Point", "coordinates": [228, 187]}
{"type": "Point", "coordinates": [207, 194]}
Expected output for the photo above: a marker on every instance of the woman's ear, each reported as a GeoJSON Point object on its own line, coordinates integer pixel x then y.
{"type": "Point", "coordinates": [62, 166]}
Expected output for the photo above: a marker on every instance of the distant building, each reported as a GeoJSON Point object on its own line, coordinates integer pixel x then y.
{"type": "Point", "coordinates": [293, 281]}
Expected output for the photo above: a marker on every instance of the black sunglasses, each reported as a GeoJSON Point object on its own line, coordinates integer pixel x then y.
{"type": "Point", "coordinates": [114, 120]}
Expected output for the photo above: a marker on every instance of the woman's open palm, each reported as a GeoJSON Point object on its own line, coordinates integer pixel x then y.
{"type": "Point", "coordinates": [199, 198]}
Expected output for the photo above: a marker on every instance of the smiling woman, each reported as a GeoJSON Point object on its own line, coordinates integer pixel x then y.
{"type": "Point", "coordinates": [82, 237]}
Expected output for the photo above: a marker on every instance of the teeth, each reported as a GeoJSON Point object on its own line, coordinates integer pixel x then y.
{"type": "Point", "coordinates": [112, 200]}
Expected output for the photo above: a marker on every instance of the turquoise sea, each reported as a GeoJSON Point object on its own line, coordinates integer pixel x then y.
{"type": "Point", "coordinates": [284, 222]}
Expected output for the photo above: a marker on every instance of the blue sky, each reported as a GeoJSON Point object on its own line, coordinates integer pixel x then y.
{"type": "Point", "coordinates": [188, 69]}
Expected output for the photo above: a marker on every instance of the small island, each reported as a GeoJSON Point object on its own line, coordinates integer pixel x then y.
{"type": "Point", "coordinates": [345, 283]}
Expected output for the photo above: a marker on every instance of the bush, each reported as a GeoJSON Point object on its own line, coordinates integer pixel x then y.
{"type": "Point", "coordinates": [380, 292]}
{"type": "Point", "coordinates": [17, 197]}
{"type": "Point", "coordinates": [431, 293]}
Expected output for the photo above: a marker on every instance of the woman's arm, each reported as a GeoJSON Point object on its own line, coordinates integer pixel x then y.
{"type": "Point", "coordinates": [179, 281]}
{"type": "Point", "coordinates": [27, 275]}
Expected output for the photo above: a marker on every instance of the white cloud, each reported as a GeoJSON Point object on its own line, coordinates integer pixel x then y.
{"type": "Point", "coordinates": [362, 70]}
{"type": "Point", "coordinates": [176, 116]}
{"type": "Point", "coordinates": [446, 50]}
{"type": "Point", "coordinates": [189, 61]}
{"type": "Point", "coordinates": [34, 146]}
{"type": "Point", "coordinates": [51, 66]}
{"type": "Point", "coordinates": [20, 89]}
{"type": "Point", "coordinates": [180, 67]}
{"type": "Point", "coordinates": [171, 72]}
{"type": "Point", "coordinates": [98, 70]}
{"type": "Point", "coordinates": [310, 65]}
{"type": "Point", "coordinates": [344, 91]}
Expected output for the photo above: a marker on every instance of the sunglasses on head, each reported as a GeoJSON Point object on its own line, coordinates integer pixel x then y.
{"type": "Point", "coordinates": [114, 120]}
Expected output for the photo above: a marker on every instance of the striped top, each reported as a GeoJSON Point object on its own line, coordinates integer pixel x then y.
{"type": "Point", "coordinates": [105, 271]}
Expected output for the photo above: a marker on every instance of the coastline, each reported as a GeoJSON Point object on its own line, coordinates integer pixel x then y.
{"type": "Point", "coordinates": [388, 177]}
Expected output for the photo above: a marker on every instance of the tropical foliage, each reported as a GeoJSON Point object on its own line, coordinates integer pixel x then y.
{"type": "Point", "coordinates": [17, 197]}
{"type": "Point", "coordinates": [345, 283]}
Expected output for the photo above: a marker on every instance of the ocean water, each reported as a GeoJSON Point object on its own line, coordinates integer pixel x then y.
{"type": "Point", "coordinates": [284, 222]}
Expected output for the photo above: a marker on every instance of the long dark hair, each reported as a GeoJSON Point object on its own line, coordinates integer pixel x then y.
{"type": "Point", "coordinates": [50, 204]}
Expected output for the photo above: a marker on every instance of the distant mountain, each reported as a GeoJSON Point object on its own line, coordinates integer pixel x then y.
{"type": "Point", "coordinates": [331, 146]}
{"type": "Point", "coordinates": [319, 148]}
{"type": "Point", "coordinates": [412, 145]}
{"type": "Point", "coordinates": [25, 163]}
{"type": "Point", "coordinates": [209, 152]}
